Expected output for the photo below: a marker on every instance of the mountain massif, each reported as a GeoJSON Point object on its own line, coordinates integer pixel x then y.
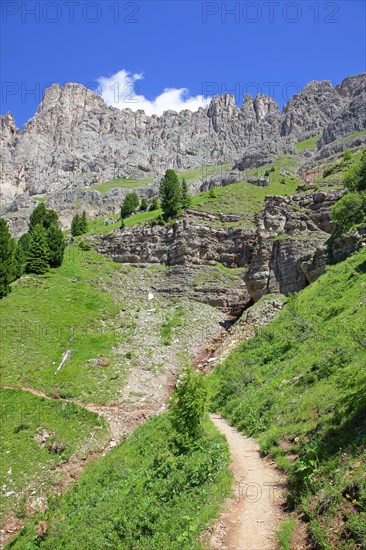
{"type": "Point", "coordinates": [94, 345]}
{"type": "Point", "coordinates": [75, 140]}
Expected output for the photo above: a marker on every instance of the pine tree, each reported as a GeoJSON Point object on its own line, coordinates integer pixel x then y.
{"type": "Point", "coordinates": [7, 264]}
{"type": "Point", "coordinates": [21, 253]}
{"type": "Point", "coordinates": [185, 196]}
{"type": "Point", "coordinates": [75, 226]}
{"type": "Point", "coordinates": [38, 252]}
{"type": "Point", "coordinates": [20, 259]}
{"type": "Point", "coordinates": [56, 245]}
{"type": "Point", "coordinates": [129, 205]}
{"type": "Point", "coordinates": [38, 216]}
{"type": "Point", "coordinates": [42, 216]}
{"type": "Point", "coordinates": [170, 194]}
{"type": "Point", "coordinates": [155, 204]}
{"type": "Point", "coordinates": [83, 223]}
{"type": "Point", "coordinates": [144, 204]}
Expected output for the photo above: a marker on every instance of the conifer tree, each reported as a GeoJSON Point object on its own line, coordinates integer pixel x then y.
{"type": "Point", "coordinates": [170, 194]}
{"type": "Point", "coordinates": [144, 204]}
{"type": "Point", "coordinates": [129, 205]}
{"type": "Point", "coordinates": [20, 259]}
{"type": "Point", "coordinates": [42, 216]}
{"type": "Point", "coordinates": [75, 226]}
{"type": "Point", "coordinates": [83, 223]}
{"type": "Point", "coordinates": [185, 196]}
{"type": "Point", "coordinates": [155, 204]}
{"type": "Point", "coordinates": [7, 266]}
{"type": "Point", "coordinates": [38, 252]}
{"type": "Point", "coordinates": [56, 245]}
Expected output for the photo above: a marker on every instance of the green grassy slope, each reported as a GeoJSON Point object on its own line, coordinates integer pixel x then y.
{"type": "Point", "coordinates": [300, 386]}
{"type": "Point", "coordinates": [27, 464]}
{"type": "Point", "coordinates": [46, 315]}
{"type": "Point", "coordinates": [309, 143]}
{"type": "Point", "coordinates": [242, 198]}
{"type": "Point", "coordinates": [143, 494]}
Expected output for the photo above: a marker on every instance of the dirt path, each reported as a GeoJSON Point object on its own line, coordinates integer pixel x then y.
{"type": "Point", "coordinates": [255, 511]}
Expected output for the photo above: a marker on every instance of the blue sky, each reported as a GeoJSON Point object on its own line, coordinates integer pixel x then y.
{"type": "Point", "coordinates": [192, 48]}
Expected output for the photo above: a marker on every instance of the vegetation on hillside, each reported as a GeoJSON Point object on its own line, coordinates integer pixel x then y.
{"type": "Point", "coordinates": [299, 386]}
{"type": "Point", "coordinates": [36, 251]}
{"type": "Point", "coordinates": [155, 490]}
{"type": "Point", "coordinates": [79, 224]}
{"type": "Point", "coordinates": [36, 436]}
{"type": "Point", "coordinates": [64, 309]}
{"type": "Point", "coordinates": [350, 210]}
{"type": "Point", "coordinates": [306, 144]}
{"type": "Point", "coordinates": [8, 259]}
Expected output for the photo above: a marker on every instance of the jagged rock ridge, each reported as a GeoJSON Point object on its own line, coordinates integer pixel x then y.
{"type": "Point", "coordinates": [76, 140]}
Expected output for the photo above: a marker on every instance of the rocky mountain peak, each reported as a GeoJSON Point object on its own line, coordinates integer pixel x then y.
{"type": "Point", "coordinates": [75, 140]}
{"type": "Point", "coordinates": [352, 86]}
{"type": "Point", "coordinates": [9, 131]}
{"type": "Point", "coordinates": [308, 112]}
{"type": "Point", "coordinates": [264, 106]}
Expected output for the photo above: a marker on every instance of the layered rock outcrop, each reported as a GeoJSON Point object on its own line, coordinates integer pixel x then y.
{"type": "Point", "coordinates": [286, 250]}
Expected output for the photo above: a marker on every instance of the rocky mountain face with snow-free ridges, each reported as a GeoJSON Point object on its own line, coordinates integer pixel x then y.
{"type": "Point", "coordinates": [75, 140]}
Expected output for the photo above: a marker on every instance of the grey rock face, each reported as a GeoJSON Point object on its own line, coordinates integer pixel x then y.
{"type": "Point", "coordinates": [254, 157]}
{"type": "Point", "coordinates": [285, 251]}
{"type": "Point", "coordinates": [308, 112]}
{"type": "Point", "coordinates": [186, 242]}
{"type": "Point", "coordinates": [75, 140]}
{"type": "Point", "coordinates": [351, 119]}
{"type": "Point", "coordinates": [352, 86]}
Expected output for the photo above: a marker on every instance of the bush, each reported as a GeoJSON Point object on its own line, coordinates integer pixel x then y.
{"type": "Point", "coordinates": [355, 178]}
{"type": "Point", "coordinates": [347, 155]}
{"type": "Point", "coordinates": [349, 210]}
{"type": "Point", "coordinates": [159, 220]}
{"type": "Point", "coordinates": [187, 407]}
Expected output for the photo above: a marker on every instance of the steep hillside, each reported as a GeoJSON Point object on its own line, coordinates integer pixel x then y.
{"type": "Point", "coordinates": [144, 494]}
{"type": "Point", "coordinates": [39, 438]}
{"type": "Point", "coordinates": [299, 386]}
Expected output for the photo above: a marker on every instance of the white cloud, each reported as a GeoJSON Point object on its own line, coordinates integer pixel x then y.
{"type": "Point", "coordinates": [122, 91]}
